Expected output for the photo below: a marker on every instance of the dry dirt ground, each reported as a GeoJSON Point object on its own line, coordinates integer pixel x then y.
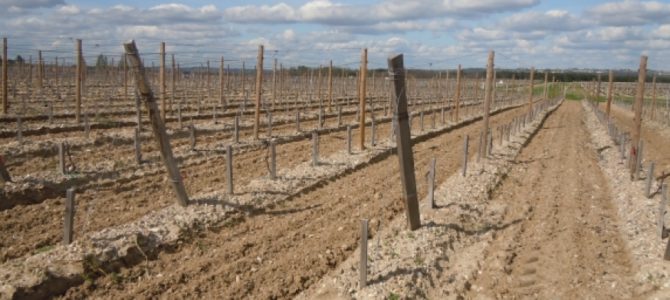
{"type": "Point", "coordinates": [566, 243]}
{"type": "Point", "coordinates": [281, 251]}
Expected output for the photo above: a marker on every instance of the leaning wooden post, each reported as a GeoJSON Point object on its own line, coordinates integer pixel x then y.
{"type": "Point", "coordinates": [637, 119]}
{"type": "Point", "coordinates": [403, 140]}
{"type": "Point", "coordinates": [361, 98]}
{"type": "Point", "coordinates": [161, 78]}
{"type": "Point", "coordinates": [487, 98]}
{"type": "Point", "coordinates": [229, 170]}
{"type": "Point", "coordinates": [173, 85]}
{"type": "Point", "coordinates": [610, 86]}
{"type": "Point", "coordinates": [530, 97]}
{"type": "Point", "coordinates": [156, 122]}
{"type": "Point", "coordinates": [259, 89]}
{"type": "Point", "coordinates": [5, 99]}
{"type": "Point", "coordinates": [457, 96]}
{"type": "Point", "coordinates": [77, 88]}
{"type": "Point", "coordinates": [222, 86]}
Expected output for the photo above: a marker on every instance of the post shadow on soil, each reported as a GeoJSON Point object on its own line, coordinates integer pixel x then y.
{"type": "Point", "coordinates": [250, 209]}
{"type": "Point", "coordinates": [485, 228]}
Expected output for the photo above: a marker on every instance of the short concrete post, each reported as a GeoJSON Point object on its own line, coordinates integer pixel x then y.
{"type": "Point", "coordinates": [363, 264]}
{"type": "Point", "coordinates": [269, 124]}
{"type": "Point", "coordinates": [465, 155]}
{"type": "Point", "coordinates": [650, 178]}
{"type": "Point", "coordinates": [349, 139]}
{"type": "Point", "coordinates": [373, 134]}
{"type": "Point", "coordinates": [68, 235]}
{"type": "Point", "coordinates": [138, 150]}
{"type": "Point", "coordinates": [192, 136]}
{"type": "Point", "coordinates": [339, 115]}
{"type": "Point", "coordinates": [431, 183]}
{"type": "Point", "coordinates": [236, 130]}
{"type": "Point", "coordinates": [297, 121]}
{"type": "Point", "coordinates": [273, 160]}
{"type": "Point", "coordinates": [315, 148]}
{"type": "Point", "coordinates": [61, 159]}
{"type": "Point", "coordinates": [19, 131]}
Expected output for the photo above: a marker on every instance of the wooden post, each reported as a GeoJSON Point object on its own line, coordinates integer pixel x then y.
{"type": "Point", "coordinates": [222, 86]}
{"type": "Point", "coordinates": [79, 71]}
{"type": "Point", "coordinates": [637, 119]}
{"type": "Point", "coordinates": [403, 140]}
{"type": "Point", "coordinates": [68, 235]}
{"type": "Point", "coordinates": [457, 101]}
{"type": "Point", "coordinates": [330, 85]}
{"type": "Point", "coordinates": [530, 97]}
{"type": "Point", "coordinates": [125, 77]}
{"type": "Point", "coordinates": [653, 98]}
{"type": "Point", "coordinates": [156, 123]}
{"type": "Point", "coordinates": [229, 170]}
{"type": "Point", "coordinates": [259, 89]}
{"type": "Point", "coordinates": [488, 96]}
{"type": "Point", "coordinates": [361, 97]}
{"type": "Point", "coordinates": [610, 86]}
{"type": "Point", "coordinates": [363, 263]}
{"type": "Point", "coordinates": [546, 85]}
{"type": "Point", "coordinates": [162, 82]}
{"type": "Point", "coordinates": [274, 83]}
{"type": "Point", "coordinates": [236, 129]}
{"type": "Point", "coordinates": [5, 61]}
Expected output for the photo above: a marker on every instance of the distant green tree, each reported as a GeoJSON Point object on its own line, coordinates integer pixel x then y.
{"type": "Point", "coordinates": [101, 62]}
{"type": "Point", "coordinates": [19, 60]}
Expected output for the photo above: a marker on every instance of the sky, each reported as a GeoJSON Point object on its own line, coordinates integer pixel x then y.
{"type": "Point", "coordinates": [432, 34]}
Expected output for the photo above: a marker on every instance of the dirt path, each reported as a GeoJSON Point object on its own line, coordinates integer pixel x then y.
{"type": "Point", "coordinates": [279, 252]}
{"type": "Point", "coordinates": [565, 243]}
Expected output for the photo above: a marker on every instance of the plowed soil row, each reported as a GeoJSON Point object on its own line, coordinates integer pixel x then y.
{"type": "Point", "coordinates": [279, 252]}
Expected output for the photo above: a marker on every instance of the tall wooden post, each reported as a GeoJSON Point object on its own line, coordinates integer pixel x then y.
{"type": "Point", "coordinates": [162, 82]}
{"type": "Point", "coordinates": [40, 69]}
{"type": "Point", "coordinates": [546, 85]}
{"type": "Point", "coordinates": [157, 123]}
{"type": "Point", "coordinates": [598, 89]}
{"type": "Point", "coordinates": [77, 88]}
{"type": "Point", "coordinates": [457, 96]}
{"type": "Point", "coordinates": [609, 94]}
{"type": "Point", "coordinates": [5, 99]}
{"type": "Point", "coordinates": [637, 119]}
{"type": "Point", "coordinates": [487, 98]}
{"type": "Point", "coordinates": [330, 85]}
{"type": "Point", "coordinates": [222, 78]}
{"type": "Point", "coordinates": [259, 89]}
{"type": "Point", "coordinates": [361, 97]}
{"type": "Point", "coordinates": [653, 98]}
{"type": "Point", "coordinates": [173, 84]}
{"type": "Point", "coordinates": [274, 82]}
{"type": "Point", "coordinates": [125, 77]}
{"type": "Point", "coordinates": [403, 139]}
{"type": "Point", "coordinates": [530, 97]}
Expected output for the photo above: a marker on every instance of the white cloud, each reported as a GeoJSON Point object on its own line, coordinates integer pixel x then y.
{"type": "Point", "coordinates": [631, 13]}
{"type": "Point", "coordinates": [30, 3]}
{"type": "Point", "coordinates": [331, 13]}
{"type": "Point", "coordinates": [552, 20]}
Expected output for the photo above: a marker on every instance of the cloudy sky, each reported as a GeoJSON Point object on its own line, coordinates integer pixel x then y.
{"type": "Point", "coordinates": [435, 34]}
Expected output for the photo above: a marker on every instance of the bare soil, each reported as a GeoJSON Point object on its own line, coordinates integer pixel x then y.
{"type": "Point", "coordinates": [564, 242]}
{"type": "Point", "coordinates": [279, 252]}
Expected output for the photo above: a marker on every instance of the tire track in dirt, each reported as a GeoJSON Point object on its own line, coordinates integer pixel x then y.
{"type": "Point", "coordinates": [281, 251]}
{"type": "Point", "coordinates": [566, 243]}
